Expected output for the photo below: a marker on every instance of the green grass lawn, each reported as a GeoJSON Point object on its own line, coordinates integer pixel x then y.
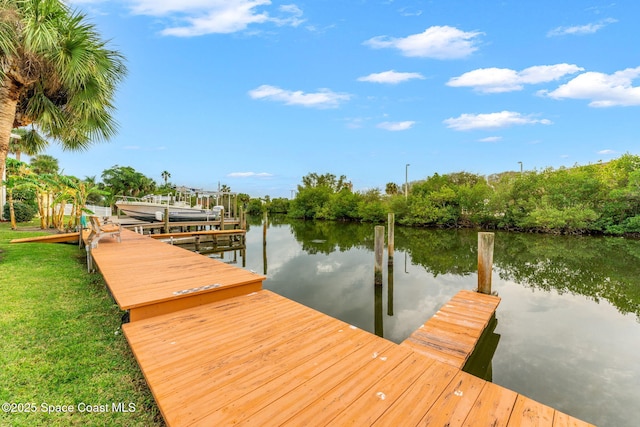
{"type": "Point", "coordinates": [61, 346]}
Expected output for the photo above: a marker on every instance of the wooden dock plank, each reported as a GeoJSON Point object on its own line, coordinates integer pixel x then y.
{"type": "Point", "coordinates": [244, 409]}
{"type": "Point", "coordinates": [564, 420]}
{"type": "Point", "coordinates": [329, 394]}
{"type": "Point", "coordinates": [338, 377]}
{"type": "Point", "coordinates": [50, 238]}
{"type": "Point", "coordinates": [493, 407]}
{"type": "Point", "coordinates": [456, 401]}
{"type": "Point", "coordinates": [394, 396]}
{"type": "Point", "coordinates": [529, 413]}
{"type": "Point", "coordinates": [453, 332]}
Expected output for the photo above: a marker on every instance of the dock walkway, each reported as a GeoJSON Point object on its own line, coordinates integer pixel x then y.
{"type": "Point", "coordinates": [452, 334]}
{"type": "Point", "coordinates": [148, 277]}
{"type": "Point", "coordinates": [216, 349]}
{"type": "Point", "coordinates": [261, 359]}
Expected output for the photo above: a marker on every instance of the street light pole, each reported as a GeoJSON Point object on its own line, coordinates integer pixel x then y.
{"type": "Point", "coordinates": [406, 181]}
{"type": "Point", "coordinates": [520, 166]}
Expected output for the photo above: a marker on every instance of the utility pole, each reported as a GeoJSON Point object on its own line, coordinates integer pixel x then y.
{"type": "Point", "coordinates": [406, 181]}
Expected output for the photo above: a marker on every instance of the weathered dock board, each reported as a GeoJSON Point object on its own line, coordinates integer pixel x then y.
{"type": "Point", "coordinates": [148, 277]}
{"type": "Point", "coordinates": [50, 238]}
{"type": "Point", "coordinates": [451, 335]}
{"type": "Point", "coordinates": [261, 359]}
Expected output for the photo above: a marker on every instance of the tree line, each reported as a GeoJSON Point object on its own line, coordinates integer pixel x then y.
{"type": "Point", "coordinates": [601, 198]}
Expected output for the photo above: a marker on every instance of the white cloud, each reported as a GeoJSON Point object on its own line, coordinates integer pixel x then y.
{"type": "Point", "coordinates": [603, 90]}
{"type": "Point", "coordinates": [391, 77]}
{"type": "Point", "coordinates": [294, 17]}
{"type": "Point", "coordinates": [249, 175]}
{"type": "Point", "coordinates": [439, 42]}
{"type": "Point", "coordinates": [492, 121]}
{"type": "Point", "coordinates": [491, 139]}
{"type": "Point", "coordinates": [199, 17]}
{"type": "Point", "coordinates": [324, 98]}
{"type": "Point", "coordinates": [495, 80]}
{"type": "Point", "coordinates": [607, 152]}
{"type": "Point", "coordinates": [581, 29]}
{"type": "Point", "coordinates": [396, 126]}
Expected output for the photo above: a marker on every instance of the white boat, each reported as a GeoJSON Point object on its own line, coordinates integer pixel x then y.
{"type": "Point", "coordinates": [152, 208]}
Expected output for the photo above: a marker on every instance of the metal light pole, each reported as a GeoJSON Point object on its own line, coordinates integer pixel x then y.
{"type": "Point", "coordinates": [520, 166]}
{"type": "Point", "coordinates": [406, 181]}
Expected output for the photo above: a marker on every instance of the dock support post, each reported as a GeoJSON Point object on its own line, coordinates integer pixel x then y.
{"type": "Point", "coordinates": [485, 262]}
{"type": "Point", "coordinates": [390, 238]}
{"type": "Point", "coordinates": [166, 219]}
{"type": "Point", "coordinates": [222, 219]}
{"type": "Point", "coordinates": [390, 290]}
{"type": "Point", "coordinates": [379, 244]}
{"type": "Point", "coordinates": [264, 242]}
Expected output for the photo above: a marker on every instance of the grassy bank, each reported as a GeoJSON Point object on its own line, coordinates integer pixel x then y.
{"type": "Point", "coordinates": [65, 361]}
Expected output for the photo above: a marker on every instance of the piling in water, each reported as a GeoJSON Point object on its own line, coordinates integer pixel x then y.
{"type": "Point", "coordinates": [390, 238]}
{"type": "Point", "coordinates": [378, 250]}
{"type": "Point", "coordinates": [485, 262]}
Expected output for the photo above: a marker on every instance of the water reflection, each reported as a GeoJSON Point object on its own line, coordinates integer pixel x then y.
{"type": "Point", "coordinates": [480, 362]}
{"type": "Point", "coordinates": [599, 268]}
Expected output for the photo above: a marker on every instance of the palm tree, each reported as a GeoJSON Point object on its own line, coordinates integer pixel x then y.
{"type": "Point", "coordinates": [27, 142]}
{"type": "Point", "coordinates": [17, 173]}
{"type": "Point", "coordinates": [56, 73]}
{"type": "Point", "coordinates": [165, 175]}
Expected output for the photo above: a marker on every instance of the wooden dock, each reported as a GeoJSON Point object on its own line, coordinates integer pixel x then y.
{"type": "Point", "coordinates": [452, 334]}
{"type": "Point", "coordinates": [148, 277]}
{"type": "Point", "coordinates": [216, 349]}
{"type": "Point", "coordinates": [261, 359]}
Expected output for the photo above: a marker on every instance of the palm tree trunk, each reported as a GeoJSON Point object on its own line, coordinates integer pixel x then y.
{"type": "Point", "coordinates": [8, 104]}
{"type": "Point", "coordinates": [12, 212]}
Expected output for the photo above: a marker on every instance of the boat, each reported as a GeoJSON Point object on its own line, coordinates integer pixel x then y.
{"type": "Point", "coordinates": [153, 208]}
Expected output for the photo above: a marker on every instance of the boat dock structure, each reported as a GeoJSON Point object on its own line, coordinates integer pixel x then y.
{"type": "Point", "coordinates": [218, 349]}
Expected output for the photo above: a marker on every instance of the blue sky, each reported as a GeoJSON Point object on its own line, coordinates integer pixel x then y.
{"type": "Point", "coordinates": [256, 94]}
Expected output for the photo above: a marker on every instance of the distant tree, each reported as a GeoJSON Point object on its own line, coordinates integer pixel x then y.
{"type": "Point", "coordinates": [126, 181]}
{"type": "Point", "coordinates": [243, 199]}
{"type": "Point", "coordinates": [255, 207]}
{"type": "Point", "coordinates": [165, 175]}
{"type": "Point", "coordinates": [279, 205]}
{"type": "Point", "coordinates": [44, 164]}
{"type": "Point", "coordinates": [392, 188]}
{"type": "Point", "coordinates": [27, 142]}
{"type": "Point", "coordinates": [55, 72]}
{"type": "Point", "coordinates": [327, 180]}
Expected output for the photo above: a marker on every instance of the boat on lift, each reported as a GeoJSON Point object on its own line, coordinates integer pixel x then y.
{"type": "Point", "coordinates": [153, 208]}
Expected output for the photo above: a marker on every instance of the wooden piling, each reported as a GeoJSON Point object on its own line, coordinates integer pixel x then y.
{"type": "Point", "coordinates": [166, 219]}
{"type": "Point", "coordinates": [378, 317]}
{"type": "Point", "coordinates": [485, 262]}
{"type": "Point", "coordinates": [390, 289]}
{"type": "Point", "coordinates": [222, 219]}
{"type": "Point", "coordinates": [390, 238]}
{"type": "Point", "coordinates": [265, 220]}
{"type": "Point", "coordinates": [379, 244]}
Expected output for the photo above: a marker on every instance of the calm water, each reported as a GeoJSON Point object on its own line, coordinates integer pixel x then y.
{"type": "Point", "coordinates": [568, 324]}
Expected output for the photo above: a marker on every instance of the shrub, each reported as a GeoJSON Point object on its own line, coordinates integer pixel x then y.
{"type": "Point", "coordinates": [23, 211]}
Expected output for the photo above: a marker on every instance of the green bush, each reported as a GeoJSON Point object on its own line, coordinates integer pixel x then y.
{"type": "Point", "coordinates": [23, 211]}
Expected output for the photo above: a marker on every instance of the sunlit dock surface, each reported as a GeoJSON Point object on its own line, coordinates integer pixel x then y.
{"type": "Point", "coordinates": [219, 352]}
